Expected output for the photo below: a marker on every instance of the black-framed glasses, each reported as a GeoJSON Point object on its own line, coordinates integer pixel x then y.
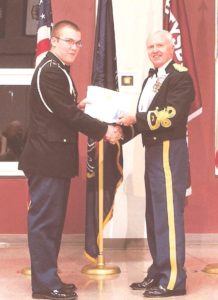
{"type": "Point", "coordinates": [71, 42]}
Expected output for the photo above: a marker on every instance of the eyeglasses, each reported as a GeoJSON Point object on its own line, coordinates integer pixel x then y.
{"type": "Point", "coordinates": [71, 42]}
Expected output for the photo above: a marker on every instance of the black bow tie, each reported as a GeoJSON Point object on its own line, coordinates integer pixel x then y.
{"type": "Point", "coordinates": [152, 72]}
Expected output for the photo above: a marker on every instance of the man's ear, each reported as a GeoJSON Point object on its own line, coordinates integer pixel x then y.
{"type": "Point", "coordinates": [53, 41]}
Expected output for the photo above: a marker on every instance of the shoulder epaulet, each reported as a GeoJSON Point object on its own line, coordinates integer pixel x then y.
{"type": "Point", "coordinates": [54, 63]}
{"type": "Point", "coordinates": [180, 67]}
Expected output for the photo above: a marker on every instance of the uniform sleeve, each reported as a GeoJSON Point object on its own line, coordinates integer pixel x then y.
{"type": "Point", "coordinates": [174, 108]}
{"type": "Point", "coordinates": [54, 89]}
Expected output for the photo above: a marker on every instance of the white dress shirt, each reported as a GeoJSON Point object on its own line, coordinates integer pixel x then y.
{"type": "Point", "coordinates": [149, 91]}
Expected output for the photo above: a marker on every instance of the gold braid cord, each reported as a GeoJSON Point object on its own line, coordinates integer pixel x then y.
{"type": "Point", "coordinates": [157, 118]}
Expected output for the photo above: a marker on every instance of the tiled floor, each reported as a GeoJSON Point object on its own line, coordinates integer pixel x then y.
{"type": "Point", "coordinates": [132, 262]}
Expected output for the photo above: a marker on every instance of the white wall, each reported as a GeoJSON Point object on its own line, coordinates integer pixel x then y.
{"type": "Point", "coordinates": [133, 19]}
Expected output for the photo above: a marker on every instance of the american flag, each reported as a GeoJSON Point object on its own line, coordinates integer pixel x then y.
{"type": "Point", "coordinates": [44, 29]}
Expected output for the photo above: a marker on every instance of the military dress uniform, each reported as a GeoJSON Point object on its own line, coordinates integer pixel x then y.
{"type": "Point", "coordinates": [162, 125]}
{"type": "Point", "coordinates": [50, 160]}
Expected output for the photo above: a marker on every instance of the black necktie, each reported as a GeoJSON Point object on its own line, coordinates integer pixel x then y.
{"type": "Point", "coordinates": [152, 72]}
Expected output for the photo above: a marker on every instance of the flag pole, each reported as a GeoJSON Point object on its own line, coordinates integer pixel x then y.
{"type": "Point", "coordinates": [101, 201]}
{"type": "Point", "coordinates": [100, 268]}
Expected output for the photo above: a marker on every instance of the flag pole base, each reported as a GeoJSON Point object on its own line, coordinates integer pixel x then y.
{"type": "Point", "coordinates": [100, 268]}
{"type": "Point", "coordinates": [26, 271]}
{"type": "Point", "coordinates": [211, 269]}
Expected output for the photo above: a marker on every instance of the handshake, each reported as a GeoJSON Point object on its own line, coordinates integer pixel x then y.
{"type": "Point", "coordinates": [113, 134]}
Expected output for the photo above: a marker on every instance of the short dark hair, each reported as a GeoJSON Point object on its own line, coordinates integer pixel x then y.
{"type": "Point", "coordinates": [61, 24]}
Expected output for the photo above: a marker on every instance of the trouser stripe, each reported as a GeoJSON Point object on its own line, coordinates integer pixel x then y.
{"type": "Point", "coordinates": [170, 214]}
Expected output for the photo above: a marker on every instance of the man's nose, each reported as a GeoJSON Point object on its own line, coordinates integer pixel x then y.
{"type": "Point", "coordinates": [155, 48]}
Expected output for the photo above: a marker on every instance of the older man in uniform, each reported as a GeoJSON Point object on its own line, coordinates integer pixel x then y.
{"type": "Point", "coordinates": [161, 118]}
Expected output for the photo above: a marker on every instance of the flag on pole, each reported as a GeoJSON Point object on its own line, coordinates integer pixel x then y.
{"type": "Point", "coordinates": [104, 74]}
{"type": "Point", "coordinates": [44, 29]}
{"type": "Point", "coordinates": [175, 20]}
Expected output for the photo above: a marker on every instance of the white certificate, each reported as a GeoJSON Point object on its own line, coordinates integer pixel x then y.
{"type": "Point", "coordinates": [107, 105]}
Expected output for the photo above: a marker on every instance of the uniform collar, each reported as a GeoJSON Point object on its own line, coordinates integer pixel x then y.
{"type": "Point", "coordinates": [169, 67]}
{"type": "Point", "coordinates": [163, 70]}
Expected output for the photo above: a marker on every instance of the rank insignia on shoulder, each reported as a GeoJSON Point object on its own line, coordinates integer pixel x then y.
{"type": "Point", "coordinates": [54, 63]}
{"type": "Point", "coordinates": [180, 67]}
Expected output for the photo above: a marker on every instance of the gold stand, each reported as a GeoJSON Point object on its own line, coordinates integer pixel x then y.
{"type": "Point", "coordinates": [100, 268]}
{"type": "Point", "coordinates": [211, 269]}
{"type": "Point", "coordinates": [26, 271]}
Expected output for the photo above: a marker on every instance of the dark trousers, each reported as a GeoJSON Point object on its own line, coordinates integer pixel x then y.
{"type": "Point", "coordinates": [166, 173]}
{"type": "Point", "coordinates": [46, 215]}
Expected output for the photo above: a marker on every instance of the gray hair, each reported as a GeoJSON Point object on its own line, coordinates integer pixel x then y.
{"type": "Point", "coordinates": [166, 33]}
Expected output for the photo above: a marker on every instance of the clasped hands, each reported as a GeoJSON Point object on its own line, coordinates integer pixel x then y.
{"type": "Point", "coordinates": [115, 133]}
